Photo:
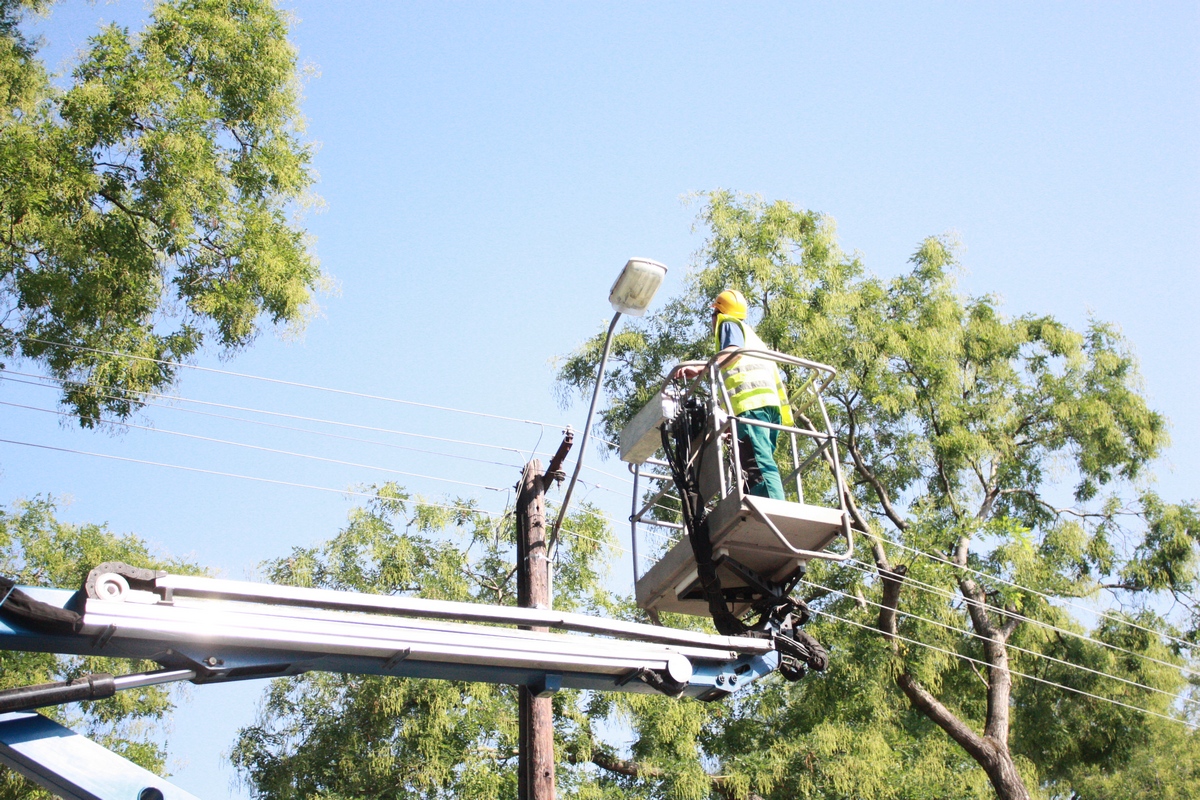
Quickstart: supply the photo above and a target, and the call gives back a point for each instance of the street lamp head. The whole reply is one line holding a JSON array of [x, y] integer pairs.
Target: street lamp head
[[636, 285]]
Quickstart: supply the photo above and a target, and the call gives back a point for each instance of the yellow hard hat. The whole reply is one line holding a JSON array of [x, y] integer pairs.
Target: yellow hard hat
[[732, 303]]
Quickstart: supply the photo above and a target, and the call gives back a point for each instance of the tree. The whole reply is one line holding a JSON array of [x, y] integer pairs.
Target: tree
[[956, 421], [38, 550], [145, 205], [145, 208], [323, 734]]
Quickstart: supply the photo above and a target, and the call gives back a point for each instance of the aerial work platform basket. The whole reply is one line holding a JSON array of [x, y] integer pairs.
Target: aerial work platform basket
[[758, 545]]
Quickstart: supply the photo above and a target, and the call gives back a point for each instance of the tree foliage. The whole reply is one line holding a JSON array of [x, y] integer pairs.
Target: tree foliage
[[146, 201], [999, 471], [330, 735], [36, 549], [1014, 450]]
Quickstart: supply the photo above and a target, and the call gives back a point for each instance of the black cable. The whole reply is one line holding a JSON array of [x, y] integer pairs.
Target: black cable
[[695, 522]]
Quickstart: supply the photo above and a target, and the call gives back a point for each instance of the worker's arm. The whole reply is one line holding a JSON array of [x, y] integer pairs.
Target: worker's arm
[[687, 373], [731, 339]]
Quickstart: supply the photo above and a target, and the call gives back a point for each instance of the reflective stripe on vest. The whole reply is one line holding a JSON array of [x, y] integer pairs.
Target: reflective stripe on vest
[[752, 382]]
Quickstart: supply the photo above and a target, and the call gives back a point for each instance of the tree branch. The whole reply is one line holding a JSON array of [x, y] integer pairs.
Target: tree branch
[[937, 431], [631, 769], [1074, 512], [945, 719], [869, 475], [991, 749], [855, 513], [1010, 624]]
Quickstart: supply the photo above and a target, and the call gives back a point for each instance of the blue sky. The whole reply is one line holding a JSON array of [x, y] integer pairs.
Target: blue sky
[[487, 168]]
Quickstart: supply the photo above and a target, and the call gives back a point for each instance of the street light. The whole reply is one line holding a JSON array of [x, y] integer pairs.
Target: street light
[[631, 294], [634, 288]]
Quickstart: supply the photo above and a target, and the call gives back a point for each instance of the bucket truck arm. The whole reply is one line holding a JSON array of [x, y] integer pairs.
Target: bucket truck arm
[[223, 630], [205, 630]]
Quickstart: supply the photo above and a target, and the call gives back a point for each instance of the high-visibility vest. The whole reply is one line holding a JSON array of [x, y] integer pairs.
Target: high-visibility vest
[[752, 382]]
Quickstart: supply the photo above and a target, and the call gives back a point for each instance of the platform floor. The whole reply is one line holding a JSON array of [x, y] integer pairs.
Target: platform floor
[[672, 585]]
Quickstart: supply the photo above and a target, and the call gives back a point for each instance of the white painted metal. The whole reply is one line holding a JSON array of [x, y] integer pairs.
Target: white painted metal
[[307, 625], [226, 623], [280, 597], [670, 585], [641, 437]]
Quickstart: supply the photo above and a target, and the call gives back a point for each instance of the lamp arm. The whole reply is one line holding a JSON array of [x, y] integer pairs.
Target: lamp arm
[[587, 430]]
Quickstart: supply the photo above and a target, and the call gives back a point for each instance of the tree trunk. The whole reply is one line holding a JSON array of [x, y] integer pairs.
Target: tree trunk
[[990, 750]]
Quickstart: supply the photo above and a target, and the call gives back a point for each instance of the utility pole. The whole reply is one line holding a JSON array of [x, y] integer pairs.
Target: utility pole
[[535, 758]]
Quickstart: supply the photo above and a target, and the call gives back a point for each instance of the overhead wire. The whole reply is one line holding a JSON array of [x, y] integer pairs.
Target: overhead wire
[[1048, 597], [1029, 619], [256, 478], [594, 539], [1010, 670], [282, 382], [375, 496], [991, 576], [870, 569], [542, 425], [570, 532], [276, 425], [45, 382], [351, 492], [1008, 645], [4, 376], [1005, 581], [267, 449], [296, 384], [299, 417], [928, 588]]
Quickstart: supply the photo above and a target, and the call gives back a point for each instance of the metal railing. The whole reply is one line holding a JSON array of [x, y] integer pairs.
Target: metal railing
[[808, 445]]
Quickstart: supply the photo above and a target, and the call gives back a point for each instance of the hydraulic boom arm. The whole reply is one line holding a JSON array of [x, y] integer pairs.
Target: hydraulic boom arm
[[208, 630]]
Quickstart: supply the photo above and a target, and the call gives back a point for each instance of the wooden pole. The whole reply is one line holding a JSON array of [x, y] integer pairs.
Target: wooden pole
[[535, 779]]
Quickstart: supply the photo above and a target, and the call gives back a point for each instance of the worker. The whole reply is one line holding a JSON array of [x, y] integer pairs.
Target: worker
[[756, 392]]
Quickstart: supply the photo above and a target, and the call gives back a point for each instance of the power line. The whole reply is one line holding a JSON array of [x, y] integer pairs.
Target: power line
[[870, 569], [493, 515], [289, 416], [275, 481], [1007, 582], [292, 428], [579, 535], [268, 449], [489, 514], [42, 382], [1011, 671], [582, 536], [279, 426], [1008, 645], [594, 514], [295, 384]]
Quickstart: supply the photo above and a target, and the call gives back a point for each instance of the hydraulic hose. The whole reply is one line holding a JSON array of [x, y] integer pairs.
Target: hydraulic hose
[[87, 687]]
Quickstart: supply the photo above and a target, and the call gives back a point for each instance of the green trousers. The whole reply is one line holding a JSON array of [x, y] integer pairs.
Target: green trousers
[[757, 449]]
